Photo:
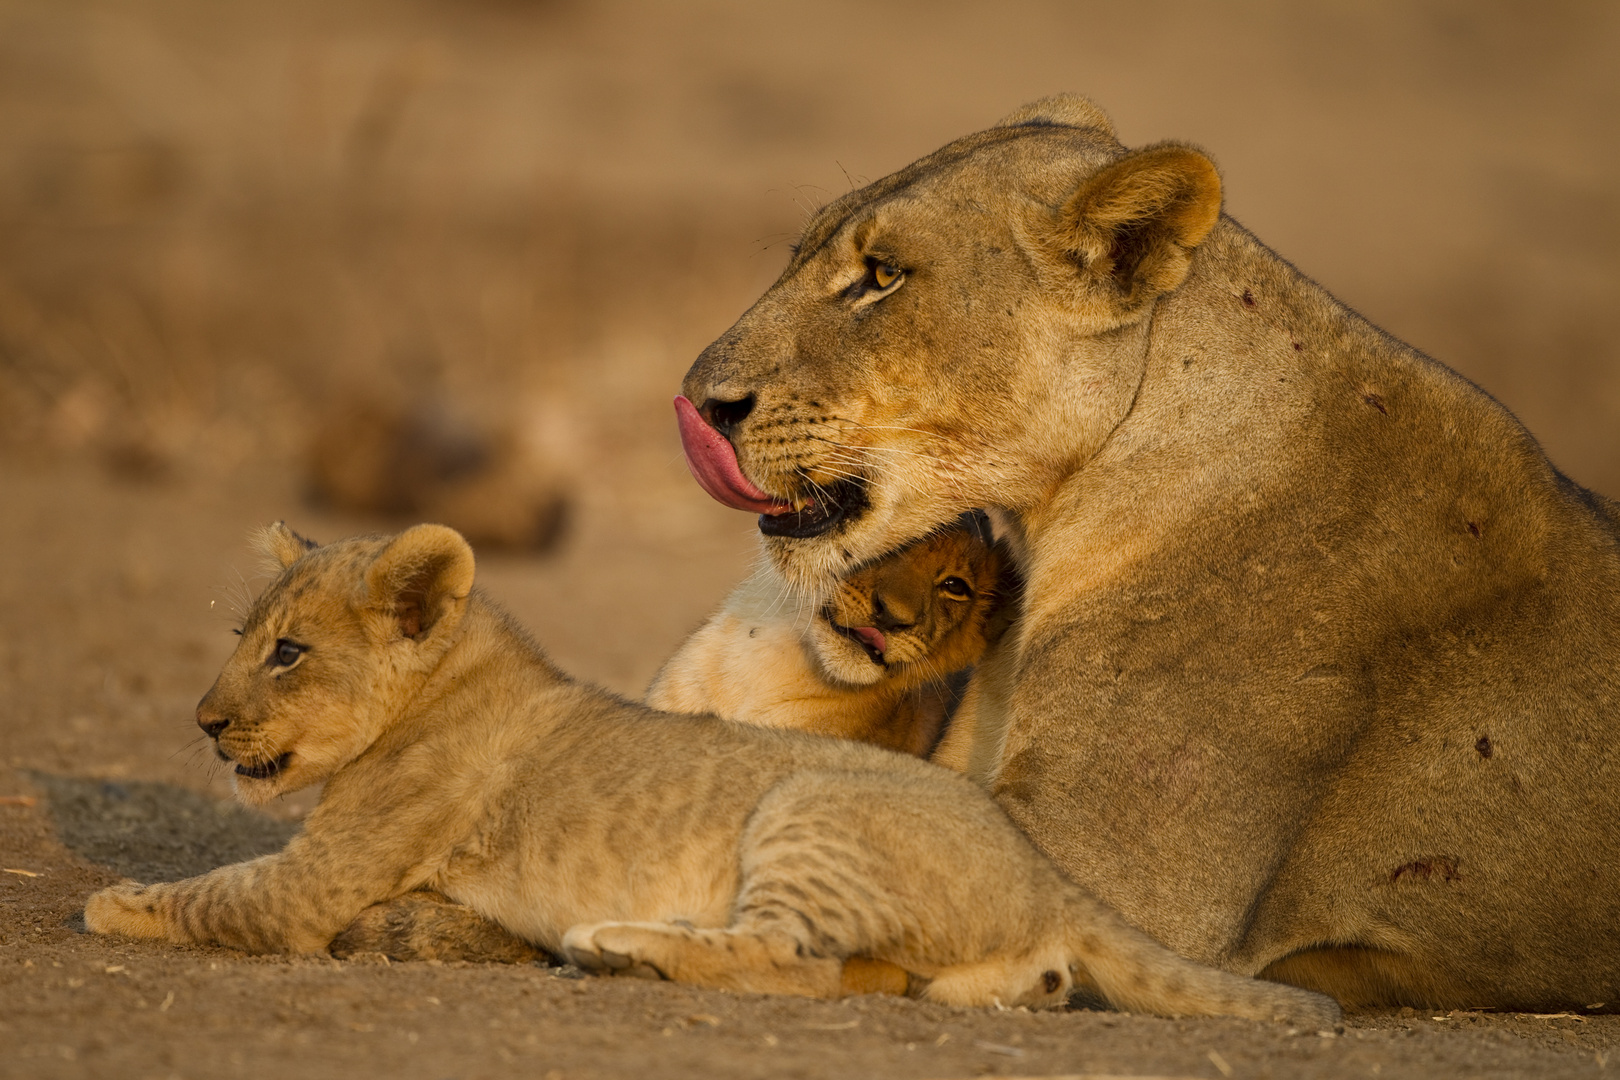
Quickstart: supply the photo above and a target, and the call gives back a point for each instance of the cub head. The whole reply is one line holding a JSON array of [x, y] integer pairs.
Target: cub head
[[964, 333], [920, 613], [332, 652]]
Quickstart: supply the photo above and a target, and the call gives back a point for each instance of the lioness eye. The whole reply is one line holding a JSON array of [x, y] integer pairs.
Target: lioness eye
[[880, 275], [287, 652], [955, 586]]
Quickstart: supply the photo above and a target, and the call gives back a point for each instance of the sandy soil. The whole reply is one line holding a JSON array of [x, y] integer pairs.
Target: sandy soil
[[215, 219]]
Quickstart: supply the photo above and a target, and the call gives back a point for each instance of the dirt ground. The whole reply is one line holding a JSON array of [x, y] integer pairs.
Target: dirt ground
[[217, 220]]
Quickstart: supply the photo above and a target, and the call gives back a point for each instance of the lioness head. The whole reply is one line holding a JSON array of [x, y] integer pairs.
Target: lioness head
[[332, 651], [918, 614], [965, 332]]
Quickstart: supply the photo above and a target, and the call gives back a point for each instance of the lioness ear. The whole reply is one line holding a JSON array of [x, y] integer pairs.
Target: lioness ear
[[281, 546], [1132, 227], [422, 578]]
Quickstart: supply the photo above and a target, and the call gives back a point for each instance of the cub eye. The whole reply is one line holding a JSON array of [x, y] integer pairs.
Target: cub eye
[[955, 586], [881, 275], [287, 653]]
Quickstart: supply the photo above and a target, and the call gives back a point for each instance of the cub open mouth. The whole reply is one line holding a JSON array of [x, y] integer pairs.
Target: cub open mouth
[[867, 637], [845, 499], [264, 770]]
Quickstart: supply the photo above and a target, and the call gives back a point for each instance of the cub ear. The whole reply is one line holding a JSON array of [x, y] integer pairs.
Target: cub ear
[[281, 546], [422, 578], [1132, 227], [1009, 594]]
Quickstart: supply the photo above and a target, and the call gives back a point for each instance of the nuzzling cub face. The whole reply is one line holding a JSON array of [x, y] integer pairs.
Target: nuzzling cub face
[[331, 652], [916, 614]]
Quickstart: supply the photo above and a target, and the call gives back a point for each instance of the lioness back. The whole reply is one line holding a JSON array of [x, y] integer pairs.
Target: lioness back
[[456, 758], [873, 662]]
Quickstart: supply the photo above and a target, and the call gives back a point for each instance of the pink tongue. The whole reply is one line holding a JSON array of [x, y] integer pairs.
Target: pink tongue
[[713, 462], [872, 637]]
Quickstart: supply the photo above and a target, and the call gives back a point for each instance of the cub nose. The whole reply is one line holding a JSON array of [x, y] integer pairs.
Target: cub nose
[[892, 616], [211, 722], [725, 415]]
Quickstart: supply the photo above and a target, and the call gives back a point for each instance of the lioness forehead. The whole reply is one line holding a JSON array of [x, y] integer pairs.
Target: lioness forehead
[[1037, 160]]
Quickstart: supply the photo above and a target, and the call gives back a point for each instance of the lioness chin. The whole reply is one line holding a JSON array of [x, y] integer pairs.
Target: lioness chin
[[456, 758], [1318, 671]]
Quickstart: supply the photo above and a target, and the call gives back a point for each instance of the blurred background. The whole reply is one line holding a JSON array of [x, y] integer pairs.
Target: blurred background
[[259, 259]]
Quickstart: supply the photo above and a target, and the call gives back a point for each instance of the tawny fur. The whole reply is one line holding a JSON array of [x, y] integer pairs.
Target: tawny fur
[[773, 658], [457, 758], [1307, 616]]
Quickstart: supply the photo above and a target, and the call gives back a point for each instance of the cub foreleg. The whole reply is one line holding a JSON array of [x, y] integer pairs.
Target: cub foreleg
[[293, 901]]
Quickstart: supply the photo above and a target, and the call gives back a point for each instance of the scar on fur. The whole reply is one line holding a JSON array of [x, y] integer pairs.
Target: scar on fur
[[1430, 866], [1375, 401]]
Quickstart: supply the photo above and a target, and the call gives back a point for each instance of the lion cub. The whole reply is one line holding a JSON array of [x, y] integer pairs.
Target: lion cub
[[690, 848], [872, 664]]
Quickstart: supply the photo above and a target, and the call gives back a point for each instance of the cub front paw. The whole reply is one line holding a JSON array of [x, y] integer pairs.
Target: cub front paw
[[128, 908], [609, 949]]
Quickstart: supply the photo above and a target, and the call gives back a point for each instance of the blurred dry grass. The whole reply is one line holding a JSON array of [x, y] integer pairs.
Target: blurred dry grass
[[215, 218]]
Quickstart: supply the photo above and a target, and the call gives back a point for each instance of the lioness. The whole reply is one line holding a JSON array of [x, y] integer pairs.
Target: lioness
[[456, 757], [871, 664], [1318, 672]]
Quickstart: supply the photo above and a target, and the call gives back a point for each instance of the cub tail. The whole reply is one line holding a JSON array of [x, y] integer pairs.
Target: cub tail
[[1135, 973]]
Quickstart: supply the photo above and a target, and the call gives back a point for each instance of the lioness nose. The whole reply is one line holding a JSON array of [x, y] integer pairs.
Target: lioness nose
[[211, 722], [725, 415]]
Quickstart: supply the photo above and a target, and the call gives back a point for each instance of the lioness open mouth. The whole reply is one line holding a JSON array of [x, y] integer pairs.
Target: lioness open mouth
[[834, 504], [264, 770]]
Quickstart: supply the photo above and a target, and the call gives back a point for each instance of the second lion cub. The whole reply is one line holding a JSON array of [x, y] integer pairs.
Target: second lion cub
[[872, 664]]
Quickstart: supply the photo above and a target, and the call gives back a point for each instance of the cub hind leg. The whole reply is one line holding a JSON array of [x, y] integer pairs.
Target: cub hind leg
[[929, 875], [748, 957], [804, 907]]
